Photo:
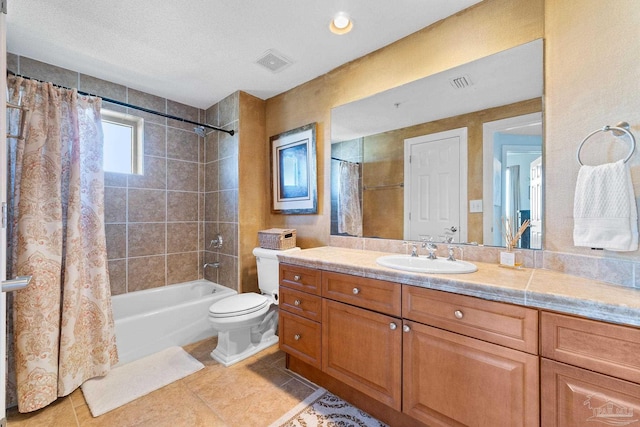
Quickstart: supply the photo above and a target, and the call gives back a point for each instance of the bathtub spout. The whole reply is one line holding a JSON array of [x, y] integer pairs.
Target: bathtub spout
[[212, 265]]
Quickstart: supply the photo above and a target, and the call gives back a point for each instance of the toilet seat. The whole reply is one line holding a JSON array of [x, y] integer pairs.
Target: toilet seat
[[238, 305]]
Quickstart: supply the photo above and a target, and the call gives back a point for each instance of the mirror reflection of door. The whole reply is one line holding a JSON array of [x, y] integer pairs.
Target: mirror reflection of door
[[435, 182], [535, 229], [513, 189]]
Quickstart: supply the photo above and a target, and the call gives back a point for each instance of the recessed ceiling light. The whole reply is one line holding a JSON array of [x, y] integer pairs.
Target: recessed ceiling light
[[341, 24]]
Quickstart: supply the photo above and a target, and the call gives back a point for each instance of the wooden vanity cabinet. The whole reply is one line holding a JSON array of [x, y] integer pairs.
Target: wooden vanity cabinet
[[454, 373], [363, 349], [362, 335], [299, 327], [590, 372]]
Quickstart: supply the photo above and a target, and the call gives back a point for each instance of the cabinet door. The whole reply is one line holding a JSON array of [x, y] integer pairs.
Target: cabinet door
[[300, 337], [453, 380], [363, 350], [575, 397]]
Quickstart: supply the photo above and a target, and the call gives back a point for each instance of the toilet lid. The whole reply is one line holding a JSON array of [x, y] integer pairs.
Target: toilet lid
[[238, 305]]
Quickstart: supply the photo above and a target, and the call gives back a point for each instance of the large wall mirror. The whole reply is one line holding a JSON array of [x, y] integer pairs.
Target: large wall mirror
[[450, 156]]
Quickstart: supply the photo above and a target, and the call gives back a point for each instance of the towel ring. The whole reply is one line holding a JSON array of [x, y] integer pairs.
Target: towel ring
[[618, 130]]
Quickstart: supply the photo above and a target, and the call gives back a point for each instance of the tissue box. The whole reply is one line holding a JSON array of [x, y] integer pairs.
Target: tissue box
[[277, 238]]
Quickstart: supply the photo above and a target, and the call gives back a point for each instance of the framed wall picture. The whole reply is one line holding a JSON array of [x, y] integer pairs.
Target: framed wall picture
[[293, 171]]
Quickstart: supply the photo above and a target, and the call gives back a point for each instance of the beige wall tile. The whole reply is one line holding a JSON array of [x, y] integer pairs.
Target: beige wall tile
[[118, 276], [115, 179], [228, 272], [147, 205], [48, 73], [228, 206], [182, 206], [228, 173], [155, 140], [184, 111], [228, 109], [182, 176], [211, 176], [211, 115], [182, 267], [182, 237], [182, 145], [155, 174], [115, 204], [151, 102], [146, 239], [146, 273], [103, 88], [211, 147], [12, 63], [116, 240], [229, 232], [211, 206], [228, 144]]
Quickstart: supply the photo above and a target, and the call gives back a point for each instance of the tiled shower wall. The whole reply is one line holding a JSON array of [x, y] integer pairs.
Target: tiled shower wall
[[155, 223], [221, 192]]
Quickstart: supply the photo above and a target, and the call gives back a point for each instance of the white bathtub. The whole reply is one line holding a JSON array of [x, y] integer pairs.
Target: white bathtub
[[154, 319]]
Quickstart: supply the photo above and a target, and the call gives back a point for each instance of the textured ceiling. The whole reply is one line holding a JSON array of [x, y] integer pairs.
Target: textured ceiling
[[199, 51]]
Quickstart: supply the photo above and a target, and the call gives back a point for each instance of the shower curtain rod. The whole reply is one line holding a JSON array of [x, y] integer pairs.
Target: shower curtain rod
[[135, 107], [340, 160]]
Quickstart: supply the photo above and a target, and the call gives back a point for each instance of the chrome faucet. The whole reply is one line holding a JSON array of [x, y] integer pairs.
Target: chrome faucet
[[427, 242], [414, 248], [451, 248]]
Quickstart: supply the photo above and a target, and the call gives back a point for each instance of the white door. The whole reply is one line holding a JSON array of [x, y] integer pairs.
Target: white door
[[536, 203], [436, 186]]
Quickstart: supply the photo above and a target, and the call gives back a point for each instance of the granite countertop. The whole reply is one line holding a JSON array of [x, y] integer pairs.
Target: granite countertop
[[529, 287]]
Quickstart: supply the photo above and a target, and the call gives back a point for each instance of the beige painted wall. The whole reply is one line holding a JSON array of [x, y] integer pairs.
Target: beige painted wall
[[592, 75], [490, 27]]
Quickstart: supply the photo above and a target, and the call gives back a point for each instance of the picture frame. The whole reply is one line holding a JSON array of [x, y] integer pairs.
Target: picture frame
[[294, 171]]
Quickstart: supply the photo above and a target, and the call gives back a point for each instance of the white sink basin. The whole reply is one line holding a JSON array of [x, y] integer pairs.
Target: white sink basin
[[426, 265]]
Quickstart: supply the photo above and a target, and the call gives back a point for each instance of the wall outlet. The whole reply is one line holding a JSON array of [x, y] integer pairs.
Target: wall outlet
[[475, 206]]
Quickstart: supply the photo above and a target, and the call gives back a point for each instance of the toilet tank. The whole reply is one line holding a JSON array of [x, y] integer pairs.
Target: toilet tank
[[267, 261]]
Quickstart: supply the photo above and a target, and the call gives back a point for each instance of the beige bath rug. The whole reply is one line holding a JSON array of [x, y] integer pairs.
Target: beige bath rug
[[138, 378], [325, 409]]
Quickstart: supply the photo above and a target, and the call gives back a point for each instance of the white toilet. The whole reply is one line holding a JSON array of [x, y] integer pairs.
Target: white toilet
[[248, 322]]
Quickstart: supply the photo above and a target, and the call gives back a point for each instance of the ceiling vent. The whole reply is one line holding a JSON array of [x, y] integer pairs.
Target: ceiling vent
[[274, 61], [461, 82]]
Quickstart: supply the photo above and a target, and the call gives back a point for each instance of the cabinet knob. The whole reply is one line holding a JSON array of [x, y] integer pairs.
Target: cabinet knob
[[296, 278], [356, 291], [406, 328], [297, 337], [393, 326], [458, 314], [297, 302]]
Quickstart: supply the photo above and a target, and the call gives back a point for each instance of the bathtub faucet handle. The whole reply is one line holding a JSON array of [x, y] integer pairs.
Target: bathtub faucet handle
[[216, 243]]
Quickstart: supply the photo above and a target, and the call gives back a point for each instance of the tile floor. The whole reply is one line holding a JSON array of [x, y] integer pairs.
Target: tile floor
[[252, 393]]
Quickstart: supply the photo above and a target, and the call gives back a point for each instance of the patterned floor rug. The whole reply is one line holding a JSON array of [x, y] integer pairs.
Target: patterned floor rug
[[323, 409]]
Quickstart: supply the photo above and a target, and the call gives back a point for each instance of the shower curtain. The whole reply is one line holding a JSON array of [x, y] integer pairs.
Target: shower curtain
[[62, 322], [349, 211]]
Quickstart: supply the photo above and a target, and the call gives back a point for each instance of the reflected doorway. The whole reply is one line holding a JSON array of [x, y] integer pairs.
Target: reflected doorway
[[513, 179]]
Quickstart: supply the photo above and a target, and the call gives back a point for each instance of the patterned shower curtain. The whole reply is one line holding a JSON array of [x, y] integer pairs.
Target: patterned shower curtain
[[349, 211], [62, 322]]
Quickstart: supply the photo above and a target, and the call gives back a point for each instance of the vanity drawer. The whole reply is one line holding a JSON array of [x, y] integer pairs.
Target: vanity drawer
[[504, 324], [300, 278], [378, 295], [598, 346], [300, 337], [301, 303]]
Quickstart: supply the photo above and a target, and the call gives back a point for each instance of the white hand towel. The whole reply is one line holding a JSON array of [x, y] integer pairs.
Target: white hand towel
[[604, 210]]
